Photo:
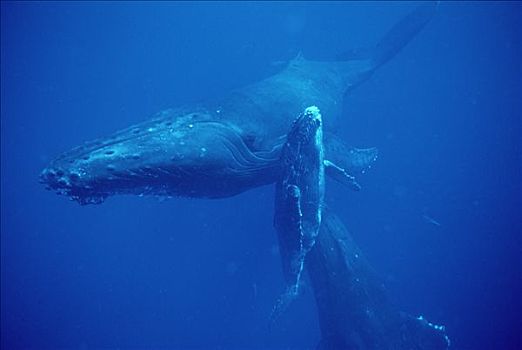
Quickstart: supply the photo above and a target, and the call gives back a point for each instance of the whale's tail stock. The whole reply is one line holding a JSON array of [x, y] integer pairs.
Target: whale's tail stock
[[359, 64], [403, 32]]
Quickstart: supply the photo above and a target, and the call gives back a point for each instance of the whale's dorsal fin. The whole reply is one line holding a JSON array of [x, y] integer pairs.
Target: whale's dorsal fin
[[297, 60], [299, 57]]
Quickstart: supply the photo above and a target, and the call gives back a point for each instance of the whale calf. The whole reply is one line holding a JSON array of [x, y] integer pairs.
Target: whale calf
[[299, 198], [222, 147]]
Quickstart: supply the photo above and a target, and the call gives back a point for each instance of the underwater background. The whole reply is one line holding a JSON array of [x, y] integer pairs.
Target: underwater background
[[439, 214]]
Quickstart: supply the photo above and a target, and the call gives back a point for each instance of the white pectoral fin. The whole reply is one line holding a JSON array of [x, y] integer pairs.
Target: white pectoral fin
[[340, 175]]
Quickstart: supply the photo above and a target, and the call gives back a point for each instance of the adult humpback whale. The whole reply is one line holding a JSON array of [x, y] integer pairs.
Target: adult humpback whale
[[221, 147]]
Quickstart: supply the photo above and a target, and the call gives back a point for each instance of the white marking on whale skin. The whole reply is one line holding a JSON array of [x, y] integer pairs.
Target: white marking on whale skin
[[299, 200]]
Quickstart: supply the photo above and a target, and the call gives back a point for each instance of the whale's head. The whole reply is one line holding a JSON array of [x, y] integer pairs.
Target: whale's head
[[178, 153]]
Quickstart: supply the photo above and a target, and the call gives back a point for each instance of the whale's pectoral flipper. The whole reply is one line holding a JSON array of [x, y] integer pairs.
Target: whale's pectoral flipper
[[339, 174], [360, 159], [342, 163], [299, 199], [352, 160]]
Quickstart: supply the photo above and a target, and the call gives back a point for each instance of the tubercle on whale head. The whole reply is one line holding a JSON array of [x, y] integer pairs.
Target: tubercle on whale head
[[175, 154], [64, 184], [306, 126]]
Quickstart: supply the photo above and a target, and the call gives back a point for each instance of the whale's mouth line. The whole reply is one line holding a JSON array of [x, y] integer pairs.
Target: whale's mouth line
[[85, 199], [80, 194]]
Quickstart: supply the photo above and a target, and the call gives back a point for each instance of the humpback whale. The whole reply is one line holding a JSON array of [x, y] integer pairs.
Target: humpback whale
[[221, 147], [354, 309], [299, 199], [353, 306]]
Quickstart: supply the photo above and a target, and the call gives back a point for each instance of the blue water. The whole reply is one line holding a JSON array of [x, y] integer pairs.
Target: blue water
[[439, 215]]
